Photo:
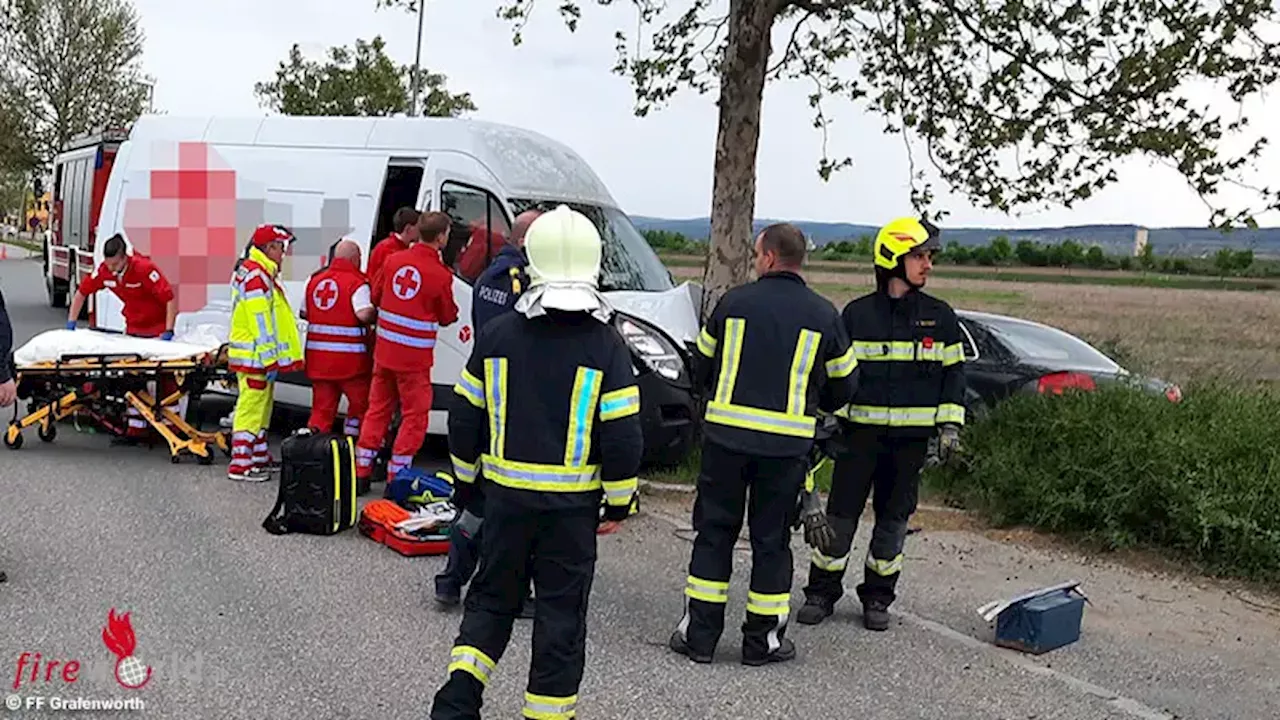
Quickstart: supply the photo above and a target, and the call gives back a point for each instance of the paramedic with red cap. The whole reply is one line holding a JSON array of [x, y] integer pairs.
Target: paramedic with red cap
[[150, 308], [263, 343], [338, 352], [414, 297]]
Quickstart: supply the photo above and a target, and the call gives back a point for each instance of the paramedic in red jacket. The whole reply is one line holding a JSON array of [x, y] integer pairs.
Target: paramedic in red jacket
[[414, 297], [150, 308], [404, 232], [339, 360]]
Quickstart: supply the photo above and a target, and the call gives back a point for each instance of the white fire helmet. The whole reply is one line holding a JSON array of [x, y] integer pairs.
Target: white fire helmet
[[563, 247]]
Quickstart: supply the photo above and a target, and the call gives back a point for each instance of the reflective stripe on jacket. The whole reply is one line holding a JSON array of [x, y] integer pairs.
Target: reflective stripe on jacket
[[264, 337], [911, 361], [773, 353], [338, 345]]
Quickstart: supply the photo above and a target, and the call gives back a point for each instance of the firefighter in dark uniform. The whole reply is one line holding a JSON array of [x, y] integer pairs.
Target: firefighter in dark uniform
[[911, 388], [773, 354], [496, 292], [547, 418]]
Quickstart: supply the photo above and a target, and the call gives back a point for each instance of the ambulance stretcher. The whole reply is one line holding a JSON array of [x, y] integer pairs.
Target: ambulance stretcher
[[101, 375]]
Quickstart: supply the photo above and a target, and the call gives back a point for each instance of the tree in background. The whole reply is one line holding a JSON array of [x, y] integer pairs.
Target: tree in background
[[1062, 89], [67, 67], [363, 81]]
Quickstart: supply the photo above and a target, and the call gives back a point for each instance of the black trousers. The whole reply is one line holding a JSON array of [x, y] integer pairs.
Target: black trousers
[[560, 548], [464, 556], [767, 489], [887, 468]]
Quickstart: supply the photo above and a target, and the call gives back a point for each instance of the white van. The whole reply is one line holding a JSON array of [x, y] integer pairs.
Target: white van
[[189, 191]]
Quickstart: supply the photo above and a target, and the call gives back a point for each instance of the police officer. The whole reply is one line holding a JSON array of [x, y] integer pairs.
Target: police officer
[[502, 283], [773, 354], [495, 293], [912, 386], [548, 410]]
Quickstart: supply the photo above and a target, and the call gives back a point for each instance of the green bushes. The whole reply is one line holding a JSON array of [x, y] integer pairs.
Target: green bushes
[[1131, 469]]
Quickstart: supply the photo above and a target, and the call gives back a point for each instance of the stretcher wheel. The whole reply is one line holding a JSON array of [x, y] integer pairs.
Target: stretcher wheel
[[15, 443], [175, 459], [47, 435], [204, 459]]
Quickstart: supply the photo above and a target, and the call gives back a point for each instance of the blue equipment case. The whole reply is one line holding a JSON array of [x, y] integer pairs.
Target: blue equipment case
[[1038, 621]]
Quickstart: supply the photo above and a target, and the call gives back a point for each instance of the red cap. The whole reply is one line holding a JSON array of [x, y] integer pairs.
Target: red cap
[[267, 234]]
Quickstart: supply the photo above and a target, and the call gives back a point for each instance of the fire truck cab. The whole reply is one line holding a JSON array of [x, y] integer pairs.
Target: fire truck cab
[[80, 174]]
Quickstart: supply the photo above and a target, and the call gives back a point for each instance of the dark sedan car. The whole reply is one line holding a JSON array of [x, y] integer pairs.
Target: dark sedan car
[[1005, 355]]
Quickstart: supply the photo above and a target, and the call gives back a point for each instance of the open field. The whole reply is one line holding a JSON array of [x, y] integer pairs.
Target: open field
[[1178, 334], [1027, 274]]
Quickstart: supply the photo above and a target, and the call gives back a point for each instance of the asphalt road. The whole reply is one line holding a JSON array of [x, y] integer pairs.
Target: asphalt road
[[237, 623]]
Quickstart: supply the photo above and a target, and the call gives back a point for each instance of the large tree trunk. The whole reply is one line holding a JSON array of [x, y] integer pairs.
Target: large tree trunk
[[733, 196]]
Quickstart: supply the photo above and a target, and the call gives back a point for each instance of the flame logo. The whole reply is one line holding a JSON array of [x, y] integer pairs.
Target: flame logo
[[118, 636]]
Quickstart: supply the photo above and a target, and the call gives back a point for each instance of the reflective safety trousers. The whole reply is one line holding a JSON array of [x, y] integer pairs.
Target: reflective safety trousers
[[910, 360]]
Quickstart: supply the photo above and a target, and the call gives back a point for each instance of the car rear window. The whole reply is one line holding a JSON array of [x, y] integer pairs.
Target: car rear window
[[1042, 344]]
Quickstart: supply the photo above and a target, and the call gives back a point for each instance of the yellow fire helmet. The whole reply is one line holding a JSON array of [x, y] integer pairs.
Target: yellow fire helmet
[[564, 251], [900, 237]]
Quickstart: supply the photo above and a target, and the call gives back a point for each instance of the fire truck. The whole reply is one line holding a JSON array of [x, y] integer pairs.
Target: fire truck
[[80, 174]]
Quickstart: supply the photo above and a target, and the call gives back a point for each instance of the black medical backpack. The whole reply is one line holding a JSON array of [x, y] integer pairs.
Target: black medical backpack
[[317, 494]]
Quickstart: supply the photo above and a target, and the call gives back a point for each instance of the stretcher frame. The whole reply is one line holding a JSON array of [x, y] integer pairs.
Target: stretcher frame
[[104, 385]]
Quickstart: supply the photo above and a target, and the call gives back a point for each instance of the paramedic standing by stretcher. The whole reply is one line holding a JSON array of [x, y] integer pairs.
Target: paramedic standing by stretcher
[[339, 309], [414, 297], [264, 343], [150, 308]]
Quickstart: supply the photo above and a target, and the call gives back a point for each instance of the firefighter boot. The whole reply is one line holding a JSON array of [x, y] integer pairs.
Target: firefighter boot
[[678, 645], [875, 615], [814, 611]]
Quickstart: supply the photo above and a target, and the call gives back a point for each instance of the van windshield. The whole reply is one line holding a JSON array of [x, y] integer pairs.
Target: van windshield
[[627, 262]]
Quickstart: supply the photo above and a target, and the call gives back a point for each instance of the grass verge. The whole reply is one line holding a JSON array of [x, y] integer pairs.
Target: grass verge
[[1130, 470], [1042, 275]]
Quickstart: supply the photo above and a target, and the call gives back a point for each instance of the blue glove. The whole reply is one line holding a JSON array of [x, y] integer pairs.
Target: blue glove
[[166, 335], [71, 324], [271, 376]]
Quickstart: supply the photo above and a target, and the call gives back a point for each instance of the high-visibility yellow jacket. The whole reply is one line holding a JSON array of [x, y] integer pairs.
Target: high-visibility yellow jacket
[[264, 336]]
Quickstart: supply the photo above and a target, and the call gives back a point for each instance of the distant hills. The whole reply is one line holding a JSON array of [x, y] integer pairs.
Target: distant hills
[[1114, 239]]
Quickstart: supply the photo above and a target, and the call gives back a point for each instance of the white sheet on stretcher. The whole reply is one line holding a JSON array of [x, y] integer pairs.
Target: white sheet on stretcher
[[53, 345]]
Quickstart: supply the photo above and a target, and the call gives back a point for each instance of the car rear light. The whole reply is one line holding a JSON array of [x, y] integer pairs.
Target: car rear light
[[1174, 393], [1057, 382]]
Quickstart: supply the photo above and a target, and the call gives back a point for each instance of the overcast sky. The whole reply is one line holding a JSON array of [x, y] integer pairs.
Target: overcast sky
[[207, 54]]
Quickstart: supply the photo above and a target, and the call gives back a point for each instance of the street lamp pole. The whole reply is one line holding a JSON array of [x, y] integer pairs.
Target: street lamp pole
[[417, 62]]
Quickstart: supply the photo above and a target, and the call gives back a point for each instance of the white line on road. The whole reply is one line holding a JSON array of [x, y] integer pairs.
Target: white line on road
[[1123, 703]]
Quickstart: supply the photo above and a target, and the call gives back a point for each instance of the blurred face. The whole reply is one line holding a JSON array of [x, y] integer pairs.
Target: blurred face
[[275, 251], [764, 261], [917, 265], [118, 263]]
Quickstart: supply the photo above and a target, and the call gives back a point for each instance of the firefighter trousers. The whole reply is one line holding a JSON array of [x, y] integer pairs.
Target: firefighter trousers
[[412, 392], [888, 469], [254, 403], [766, 488], [560, 547], [325, 396]]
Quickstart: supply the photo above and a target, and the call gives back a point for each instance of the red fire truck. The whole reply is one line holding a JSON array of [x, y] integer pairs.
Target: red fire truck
[[80, 175]]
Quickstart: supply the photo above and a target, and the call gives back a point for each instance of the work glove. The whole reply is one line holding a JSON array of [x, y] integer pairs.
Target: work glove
[[467, 524], [166, 335], [817, 531], [948, 441], [71, 324], [271, 375]]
